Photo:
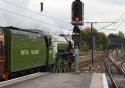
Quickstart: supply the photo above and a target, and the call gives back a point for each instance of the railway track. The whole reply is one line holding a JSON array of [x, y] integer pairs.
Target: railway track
[[116, 72], [87, 66], [81, 64], [122, 67], [110, 74], [84, 64]]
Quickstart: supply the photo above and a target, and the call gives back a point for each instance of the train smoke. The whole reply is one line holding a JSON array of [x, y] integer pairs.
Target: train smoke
[[25, 19]]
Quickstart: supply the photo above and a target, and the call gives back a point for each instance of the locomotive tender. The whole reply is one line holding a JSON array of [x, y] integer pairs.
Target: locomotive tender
[[23, 51]]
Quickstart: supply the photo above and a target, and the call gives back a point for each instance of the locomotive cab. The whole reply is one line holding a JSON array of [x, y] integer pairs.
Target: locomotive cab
[[2, 57]]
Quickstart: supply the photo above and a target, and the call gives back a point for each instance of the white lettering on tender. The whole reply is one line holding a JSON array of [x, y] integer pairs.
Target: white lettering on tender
[[27, 52], [24, 52], [33, 52]]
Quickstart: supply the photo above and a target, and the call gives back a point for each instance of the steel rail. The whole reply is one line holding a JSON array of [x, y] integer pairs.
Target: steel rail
[[109, 69], [89, 61], [122, 68], [110, 74]]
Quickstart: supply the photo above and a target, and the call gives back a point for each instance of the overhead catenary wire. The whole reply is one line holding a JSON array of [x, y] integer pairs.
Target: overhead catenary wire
[[106, 26], [121, 16], [49, 16], [111, 23], [6, 1], [34, 12], [29, 17], [119, 20], [116, 24]]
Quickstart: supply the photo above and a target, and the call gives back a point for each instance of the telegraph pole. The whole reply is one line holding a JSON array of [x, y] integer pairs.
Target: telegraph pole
[[93, 40]]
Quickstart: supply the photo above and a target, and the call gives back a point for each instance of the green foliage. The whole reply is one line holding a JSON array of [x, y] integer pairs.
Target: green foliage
[[120, 35], [111, 35], [101, 39]]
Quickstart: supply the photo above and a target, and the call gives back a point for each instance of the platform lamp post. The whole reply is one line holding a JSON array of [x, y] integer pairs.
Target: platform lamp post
[[77, 20]]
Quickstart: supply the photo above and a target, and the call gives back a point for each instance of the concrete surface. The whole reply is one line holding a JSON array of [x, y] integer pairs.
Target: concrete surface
[[21, 79], [99, 81], [52, 81], [62, 80]]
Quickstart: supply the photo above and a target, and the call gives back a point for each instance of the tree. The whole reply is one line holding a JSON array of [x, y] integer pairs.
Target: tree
[[111, 35], [101, 38], [86, 35], [121, 34], [119, 37]]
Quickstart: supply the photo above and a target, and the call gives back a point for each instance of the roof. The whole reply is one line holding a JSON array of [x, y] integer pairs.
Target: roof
[[26, 30]]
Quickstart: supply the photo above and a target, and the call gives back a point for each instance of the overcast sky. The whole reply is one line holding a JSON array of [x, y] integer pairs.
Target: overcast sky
[[60, 10]]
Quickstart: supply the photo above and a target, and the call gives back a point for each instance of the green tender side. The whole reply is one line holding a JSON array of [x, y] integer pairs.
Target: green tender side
[[26, 50], [62, 46]]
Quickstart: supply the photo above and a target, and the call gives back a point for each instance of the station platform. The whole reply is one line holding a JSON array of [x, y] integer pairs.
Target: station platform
[[64, 80], [99, 81]]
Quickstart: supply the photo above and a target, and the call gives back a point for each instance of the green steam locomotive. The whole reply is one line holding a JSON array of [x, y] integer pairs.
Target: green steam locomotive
[[24, 51]]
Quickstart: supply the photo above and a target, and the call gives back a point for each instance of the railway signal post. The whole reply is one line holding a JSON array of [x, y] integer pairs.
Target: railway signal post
[[93, 43], [77, 20], [76, 39]]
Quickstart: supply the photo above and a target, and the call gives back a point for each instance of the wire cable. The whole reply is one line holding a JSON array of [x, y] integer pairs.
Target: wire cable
[[106, 26], [33, 11], [119, 20], [29, 17], [121, 16]]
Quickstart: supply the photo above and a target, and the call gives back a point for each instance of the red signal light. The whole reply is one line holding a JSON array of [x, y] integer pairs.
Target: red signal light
[[77, 19]]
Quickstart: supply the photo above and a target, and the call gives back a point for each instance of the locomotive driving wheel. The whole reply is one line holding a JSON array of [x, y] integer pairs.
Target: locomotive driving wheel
[[61, 64]]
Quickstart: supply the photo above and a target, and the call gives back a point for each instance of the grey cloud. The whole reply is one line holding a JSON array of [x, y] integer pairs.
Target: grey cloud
[[9, 19], [115, 2], [97, 10]]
